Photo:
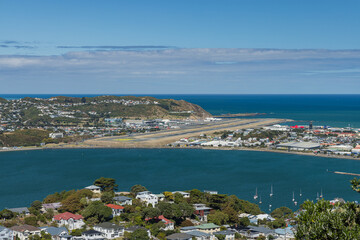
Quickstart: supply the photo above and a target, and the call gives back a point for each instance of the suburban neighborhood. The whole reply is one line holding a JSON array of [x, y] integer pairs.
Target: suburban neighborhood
[[99, 211]]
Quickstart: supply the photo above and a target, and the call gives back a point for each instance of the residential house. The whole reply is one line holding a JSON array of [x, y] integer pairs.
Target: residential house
[[92, 235], [285, 233], [21, 210], [94, 189], [160, 196], [169, 225], [184, 194], [148, 198], [229, 235], [211, 192], [57, 233], [6, 233], [133, 228], [116, 209], [53, 206], [23, 232], [110, 230], [201, 235], [208, 228], [255, 232], [69, 220], [179, 236], [201, 211], [122, 200]]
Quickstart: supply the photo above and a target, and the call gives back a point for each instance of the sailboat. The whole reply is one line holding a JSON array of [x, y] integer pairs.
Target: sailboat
[[260, 202], [300, 193], [317, 196], [295, 203], [256, 195], [293, 199], [321, 195], [270, 207], [271, 191]]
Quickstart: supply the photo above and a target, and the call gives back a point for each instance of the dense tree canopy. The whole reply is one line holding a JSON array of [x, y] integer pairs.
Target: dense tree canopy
[[137, 188], [322, 220], [97, 211], [106, 184]]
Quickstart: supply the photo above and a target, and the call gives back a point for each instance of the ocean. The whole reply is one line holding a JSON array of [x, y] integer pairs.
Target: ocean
[[329, 110], [32, 175]]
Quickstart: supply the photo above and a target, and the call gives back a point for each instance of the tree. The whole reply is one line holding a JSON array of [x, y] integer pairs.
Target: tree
[[281, 212], [218, 217], [196, 196], [71, 204], [150, 212], [186, 209], [107, 197], [244, 221], [169, 196], [31, 220], [106, 184], [36, 205], [186, 223], [322, 220], [220, 236], [178, 198], [83, 100], [97, 211], [165, 209], [139, 234], [7, 214], [137, 188]]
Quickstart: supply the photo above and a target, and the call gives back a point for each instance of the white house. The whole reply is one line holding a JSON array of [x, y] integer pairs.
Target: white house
[[94, 189], [117, 210], [57, 233], [6, 233], [23, 232], [184, 194], [148, 198], [92, 235], [110, 230], [122, 200], [56, 135], [229, 235], [69, 220]]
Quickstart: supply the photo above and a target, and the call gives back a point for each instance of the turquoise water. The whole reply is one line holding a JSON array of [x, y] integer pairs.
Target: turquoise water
[[30, 175], [330, 110]]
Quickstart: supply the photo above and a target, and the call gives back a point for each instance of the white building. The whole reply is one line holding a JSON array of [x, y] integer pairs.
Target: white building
[[148, 198], [23, 232], [184, 194], [6, 233], [117, 210], [56, 135], [94, 189], [122, 200], [110, 230], [69, 220], [92, 235]]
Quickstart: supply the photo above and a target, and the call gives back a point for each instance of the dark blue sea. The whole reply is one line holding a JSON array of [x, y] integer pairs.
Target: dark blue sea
[[31, 175], [329, 110]]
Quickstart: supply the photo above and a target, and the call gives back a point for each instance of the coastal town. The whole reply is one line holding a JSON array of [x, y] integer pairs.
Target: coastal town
[[317, 140], [100, 211]]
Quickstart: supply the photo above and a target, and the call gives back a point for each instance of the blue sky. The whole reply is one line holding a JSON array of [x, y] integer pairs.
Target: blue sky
[[179, 46]]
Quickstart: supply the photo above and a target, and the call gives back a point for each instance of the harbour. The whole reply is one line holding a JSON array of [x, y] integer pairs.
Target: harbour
[[40, 173]]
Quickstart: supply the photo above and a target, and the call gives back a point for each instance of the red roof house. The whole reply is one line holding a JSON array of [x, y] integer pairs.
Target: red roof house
[[67, 216]]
